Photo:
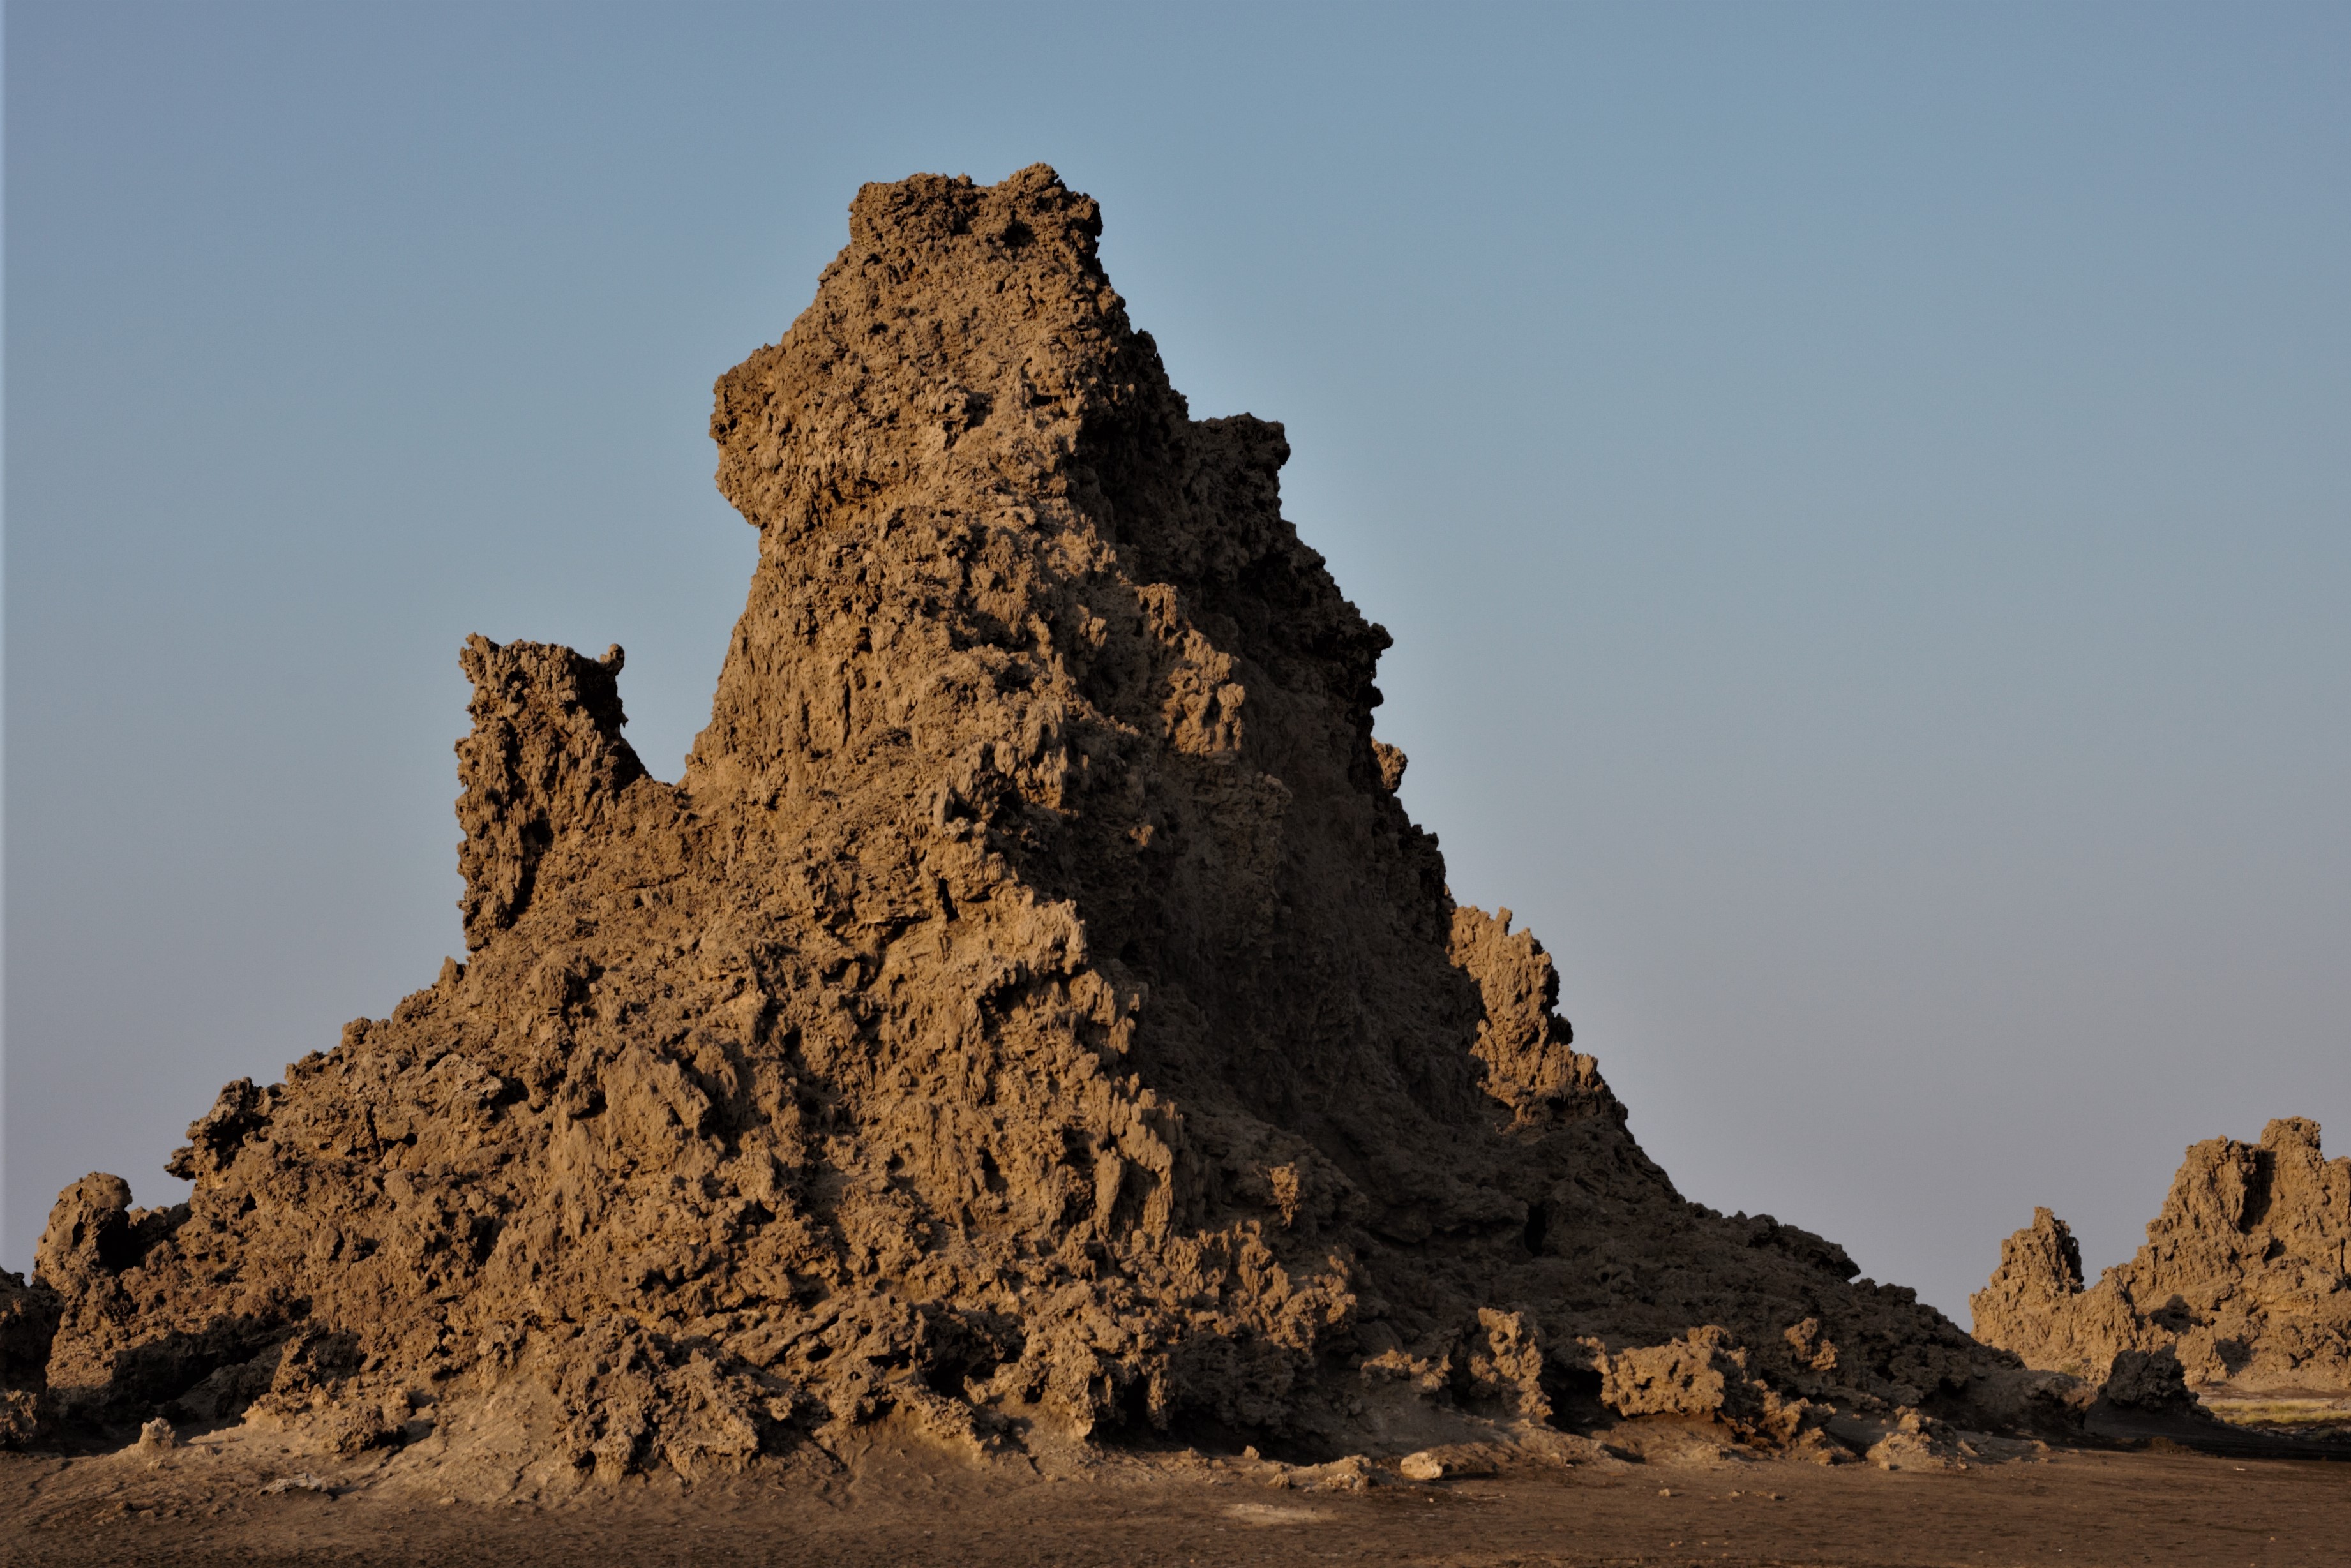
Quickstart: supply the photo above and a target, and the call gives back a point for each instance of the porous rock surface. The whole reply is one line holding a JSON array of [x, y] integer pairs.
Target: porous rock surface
[[1032, 1017], [2244, 1280], [28, 1325]]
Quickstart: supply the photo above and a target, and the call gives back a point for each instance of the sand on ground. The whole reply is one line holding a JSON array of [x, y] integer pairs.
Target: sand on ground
[[211, 1502]]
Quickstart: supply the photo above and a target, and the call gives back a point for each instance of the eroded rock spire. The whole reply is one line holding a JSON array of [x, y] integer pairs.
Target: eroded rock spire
[[1032, 1014], [2245, 1279]]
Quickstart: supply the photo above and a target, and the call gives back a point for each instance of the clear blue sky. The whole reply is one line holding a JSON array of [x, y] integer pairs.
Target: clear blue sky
[[1863, 496]]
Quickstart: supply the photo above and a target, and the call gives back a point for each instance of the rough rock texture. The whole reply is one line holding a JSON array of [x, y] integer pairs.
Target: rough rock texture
[[1032, 1016], [1701, 1372], [2245, 1279], [28, 1323]]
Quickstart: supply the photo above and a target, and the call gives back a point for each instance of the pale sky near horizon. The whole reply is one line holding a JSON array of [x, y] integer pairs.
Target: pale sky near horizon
[[1862, 495]]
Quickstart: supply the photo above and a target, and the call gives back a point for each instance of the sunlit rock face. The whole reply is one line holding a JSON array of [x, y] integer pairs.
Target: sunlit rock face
[[1032, 1016], [2245, 1277]]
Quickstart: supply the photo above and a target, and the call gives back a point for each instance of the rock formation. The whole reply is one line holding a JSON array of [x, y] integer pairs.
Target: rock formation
[[28, 1323], [1032, 1017], [2245, 1278]]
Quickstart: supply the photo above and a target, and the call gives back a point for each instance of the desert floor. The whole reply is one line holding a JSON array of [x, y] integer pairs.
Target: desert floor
[[206, 1503]]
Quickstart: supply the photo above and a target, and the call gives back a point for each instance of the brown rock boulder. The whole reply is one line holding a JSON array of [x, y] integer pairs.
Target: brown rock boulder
[[1701, 1372]]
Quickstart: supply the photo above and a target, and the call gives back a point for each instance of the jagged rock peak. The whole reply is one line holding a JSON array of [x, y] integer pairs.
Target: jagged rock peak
[[1032, 1016], [2245, 1278]]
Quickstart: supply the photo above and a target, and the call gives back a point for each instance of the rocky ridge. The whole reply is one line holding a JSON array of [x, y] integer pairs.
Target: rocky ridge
[[2244, 1280], [1031, 1018]]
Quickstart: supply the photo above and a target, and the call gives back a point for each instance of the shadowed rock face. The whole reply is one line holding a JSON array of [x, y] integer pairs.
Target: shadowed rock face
[[1032, 1014], [2245, 1277], [28, 1323]]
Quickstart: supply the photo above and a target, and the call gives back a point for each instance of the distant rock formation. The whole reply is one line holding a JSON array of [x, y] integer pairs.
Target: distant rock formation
[[2245, 1278], [1032, 1017]]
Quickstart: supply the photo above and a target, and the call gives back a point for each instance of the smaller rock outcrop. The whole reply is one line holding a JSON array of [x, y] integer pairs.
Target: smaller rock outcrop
[[2244, 1282], [545, 762], [28, 1325], [1703, 1374]]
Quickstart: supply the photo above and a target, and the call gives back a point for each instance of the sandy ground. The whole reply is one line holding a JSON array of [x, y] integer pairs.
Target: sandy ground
[[207, 1503]]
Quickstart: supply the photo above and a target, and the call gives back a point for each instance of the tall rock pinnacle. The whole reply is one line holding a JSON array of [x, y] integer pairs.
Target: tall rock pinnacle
[[1032, 1014]]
